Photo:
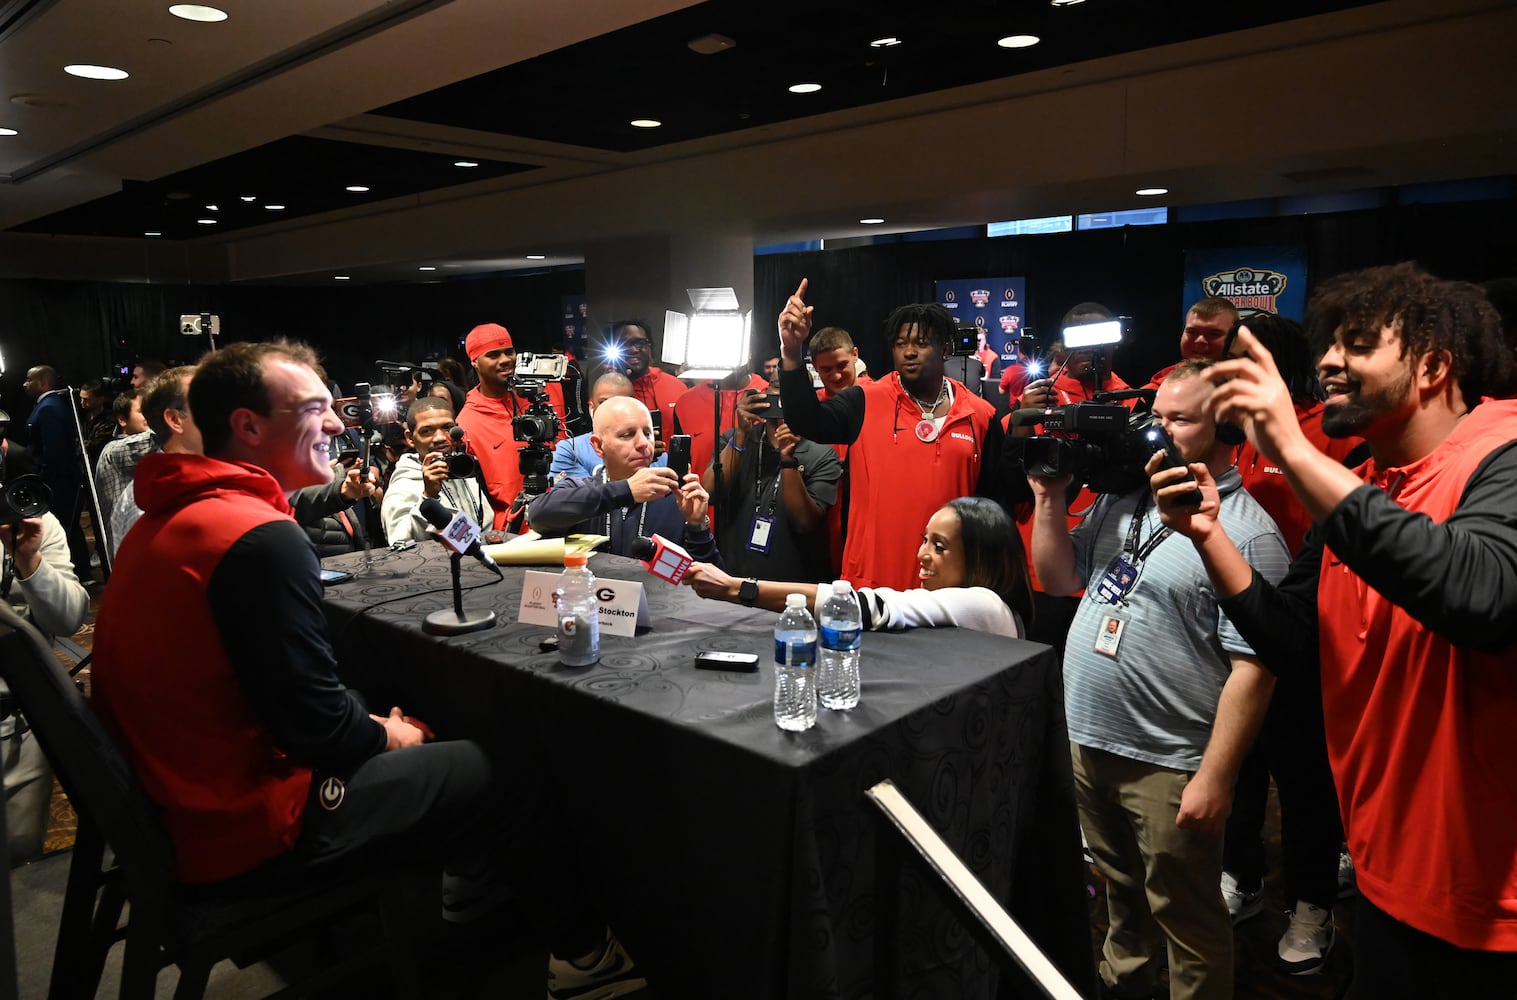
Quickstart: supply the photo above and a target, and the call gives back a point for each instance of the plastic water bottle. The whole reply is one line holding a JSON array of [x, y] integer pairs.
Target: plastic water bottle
[[795, 666], [578, 613], [837, 682]]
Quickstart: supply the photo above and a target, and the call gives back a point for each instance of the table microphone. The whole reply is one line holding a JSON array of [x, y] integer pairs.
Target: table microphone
[[662, 558], [457, 531]]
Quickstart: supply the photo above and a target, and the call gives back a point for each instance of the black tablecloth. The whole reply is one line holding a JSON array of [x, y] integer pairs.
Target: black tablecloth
[[733, 858]]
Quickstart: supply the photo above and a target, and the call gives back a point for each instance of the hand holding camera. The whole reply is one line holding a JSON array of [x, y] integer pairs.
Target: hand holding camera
[[434, 472]]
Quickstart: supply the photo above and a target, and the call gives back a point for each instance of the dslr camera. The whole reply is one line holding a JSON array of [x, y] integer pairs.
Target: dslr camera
[[26, 496]]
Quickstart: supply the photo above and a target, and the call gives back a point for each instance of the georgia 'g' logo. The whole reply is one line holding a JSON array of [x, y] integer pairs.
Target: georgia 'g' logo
[[331, 793]]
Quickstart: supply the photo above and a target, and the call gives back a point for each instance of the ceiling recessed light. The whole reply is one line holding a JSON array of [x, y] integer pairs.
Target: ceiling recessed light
[[274, 208], [870, 222], [8, 131], [213, 208], [150, 233], [1151, 192], [197, 12], [645, 123], [426, 267], [342, 277], [250, 197], [206, 222], [805, 88], [465, 163], [537, 256], [95, 72], [1018, 41], [357, 188], [884, 43]]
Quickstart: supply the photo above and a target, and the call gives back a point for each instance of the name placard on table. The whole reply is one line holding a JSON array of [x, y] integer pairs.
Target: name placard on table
[[623, 605]]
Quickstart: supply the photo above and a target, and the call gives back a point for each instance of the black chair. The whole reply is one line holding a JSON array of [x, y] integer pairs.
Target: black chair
[[192, 927]]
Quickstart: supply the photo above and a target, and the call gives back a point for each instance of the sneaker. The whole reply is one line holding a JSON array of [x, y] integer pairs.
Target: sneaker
[[1241, 903], [611, 975], [1347, 884], [1307, 941]]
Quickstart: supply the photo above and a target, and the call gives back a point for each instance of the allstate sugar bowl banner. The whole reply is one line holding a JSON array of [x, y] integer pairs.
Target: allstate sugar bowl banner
[[1255, 279], [995, 305]]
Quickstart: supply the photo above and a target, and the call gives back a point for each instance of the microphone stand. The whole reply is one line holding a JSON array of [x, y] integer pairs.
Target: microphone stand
[[457, 621]]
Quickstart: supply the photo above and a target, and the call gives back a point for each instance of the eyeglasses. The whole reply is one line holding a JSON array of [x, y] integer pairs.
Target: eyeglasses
[[638, 345]]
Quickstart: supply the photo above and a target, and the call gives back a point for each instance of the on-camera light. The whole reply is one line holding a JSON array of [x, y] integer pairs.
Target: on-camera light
[[613, 352], [1034, 367], [1092, 334], [384, 406]]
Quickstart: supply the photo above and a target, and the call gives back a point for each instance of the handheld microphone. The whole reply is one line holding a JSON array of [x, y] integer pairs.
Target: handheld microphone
[[662, 558], [457, 531]]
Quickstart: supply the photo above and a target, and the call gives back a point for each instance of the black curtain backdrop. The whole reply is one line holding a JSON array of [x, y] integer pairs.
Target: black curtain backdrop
[[83, 328], [1137, 272]]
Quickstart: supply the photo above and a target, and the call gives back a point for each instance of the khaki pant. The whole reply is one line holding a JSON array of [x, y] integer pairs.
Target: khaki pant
[[1162, 882]]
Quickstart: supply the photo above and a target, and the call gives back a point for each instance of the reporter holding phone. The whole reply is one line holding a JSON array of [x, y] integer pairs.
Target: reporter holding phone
[[1163, 696], [776, 489], [627, 497]]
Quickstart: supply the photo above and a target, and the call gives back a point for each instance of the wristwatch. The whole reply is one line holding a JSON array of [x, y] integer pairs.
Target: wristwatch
[[748, 592], [792, 464]]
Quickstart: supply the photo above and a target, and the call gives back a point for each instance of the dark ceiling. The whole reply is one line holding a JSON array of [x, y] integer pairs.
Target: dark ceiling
[[587, 94], [307, 176]]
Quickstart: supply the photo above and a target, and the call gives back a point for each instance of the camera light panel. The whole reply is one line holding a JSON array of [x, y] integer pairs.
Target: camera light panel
[[1092, 334]]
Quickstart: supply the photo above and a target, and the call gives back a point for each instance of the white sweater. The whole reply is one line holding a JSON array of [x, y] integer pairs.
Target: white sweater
[[978, 608]]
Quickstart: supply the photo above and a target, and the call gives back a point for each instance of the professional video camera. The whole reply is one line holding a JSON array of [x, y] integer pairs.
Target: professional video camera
[[1100, 444]]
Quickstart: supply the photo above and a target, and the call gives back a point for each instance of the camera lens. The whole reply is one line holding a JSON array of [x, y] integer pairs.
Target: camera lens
[[28, 496]]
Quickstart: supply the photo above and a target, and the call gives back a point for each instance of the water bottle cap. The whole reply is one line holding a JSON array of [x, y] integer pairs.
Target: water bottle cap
[[795, 600], [576, 558], [841, 587]]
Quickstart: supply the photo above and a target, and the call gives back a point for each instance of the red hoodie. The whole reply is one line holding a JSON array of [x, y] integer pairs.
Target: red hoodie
[[897, 482], [230, 798], [1419, 731]]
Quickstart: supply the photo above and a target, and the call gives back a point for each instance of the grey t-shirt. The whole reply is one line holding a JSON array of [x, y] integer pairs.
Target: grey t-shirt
[[1156, 698]]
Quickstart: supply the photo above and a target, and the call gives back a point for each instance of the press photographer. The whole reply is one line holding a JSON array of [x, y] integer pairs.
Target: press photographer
[[440, 468], [36, 551]]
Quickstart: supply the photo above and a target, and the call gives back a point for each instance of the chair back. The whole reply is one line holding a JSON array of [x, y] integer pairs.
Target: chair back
[[94, 773]]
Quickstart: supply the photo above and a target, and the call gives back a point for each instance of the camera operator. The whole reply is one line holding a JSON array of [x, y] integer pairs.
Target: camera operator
[[1163, 698], [57, 603], [436, 469], [628, 498], [488, 415], [771, 516]]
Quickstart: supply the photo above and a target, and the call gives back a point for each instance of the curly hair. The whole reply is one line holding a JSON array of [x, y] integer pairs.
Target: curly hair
[[1287, 344], [929, 318], [1429, 314]]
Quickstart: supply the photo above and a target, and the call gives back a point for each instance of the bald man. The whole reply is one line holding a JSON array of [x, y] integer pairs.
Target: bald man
[[628, 496], [576, 456]]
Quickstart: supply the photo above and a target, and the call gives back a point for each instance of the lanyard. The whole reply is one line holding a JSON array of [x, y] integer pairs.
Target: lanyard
[[1139, 518], [642, 515], [479, 513], [758, 483]]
